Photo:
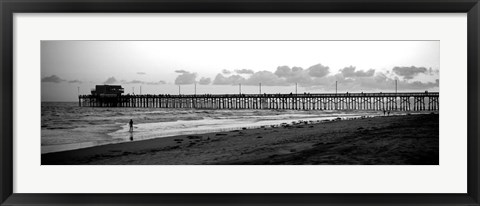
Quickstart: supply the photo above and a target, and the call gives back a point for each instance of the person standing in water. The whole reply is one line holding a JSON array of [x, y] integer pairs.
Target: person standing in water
[[131, 125]]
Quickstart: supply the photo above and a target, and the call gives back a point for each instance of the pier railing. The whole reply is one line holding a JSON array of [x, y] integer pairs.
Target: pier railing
[[406, 101]]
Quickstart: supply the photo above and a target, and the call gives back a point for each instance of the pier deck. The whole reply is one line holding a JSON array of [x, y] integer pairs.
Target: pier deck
[[411, 101]]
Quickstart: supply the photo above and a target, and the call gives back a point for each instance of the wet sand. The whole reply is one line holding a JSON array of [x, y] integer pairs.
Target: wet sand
[[393, 140]]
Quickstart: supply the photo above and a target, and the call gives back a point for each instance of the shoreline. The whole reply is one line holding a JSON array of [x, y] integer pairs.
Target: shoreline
[[374, 140], [118, 132]]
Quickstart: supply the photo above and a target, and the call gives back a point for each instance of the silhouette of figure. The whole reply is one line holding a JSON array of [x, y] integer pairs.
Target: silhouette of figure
[[384, 112], [131, 125], [388, 113]]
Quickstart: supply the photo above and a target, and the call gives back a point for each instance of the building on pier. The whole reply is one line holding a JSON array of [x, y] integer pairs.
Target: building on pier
[[107, 90]]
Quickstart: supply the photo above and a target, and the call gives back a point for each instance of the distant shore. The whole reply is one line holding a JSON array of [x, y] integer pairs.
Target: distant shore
[[391, 140]]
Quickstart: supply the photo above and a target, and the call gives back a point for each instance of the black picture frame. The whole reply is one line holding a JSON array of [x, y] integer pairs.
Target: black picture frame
[[9, 7]]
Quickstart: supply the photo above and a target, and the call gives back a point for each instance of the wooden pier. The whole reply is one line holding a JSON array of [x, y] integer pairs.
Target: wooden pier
[[342, 101]]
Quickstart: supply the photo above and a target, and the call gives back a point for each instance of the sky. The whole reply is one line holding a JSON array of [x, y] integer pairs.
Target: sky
[[69, 68]]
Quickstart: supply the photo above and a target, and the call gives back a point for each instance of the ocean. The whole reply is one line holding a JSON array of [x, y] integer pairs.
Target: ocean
[[66, 126]]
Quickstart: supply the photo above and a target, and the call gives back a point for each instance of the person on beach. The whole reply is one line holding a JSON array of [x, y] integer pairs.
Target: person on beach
[[131, 125]]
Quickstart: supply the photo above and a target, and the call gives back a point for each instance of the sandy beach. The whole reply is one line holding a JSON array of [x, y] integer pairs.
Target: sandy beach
[[400, 140]]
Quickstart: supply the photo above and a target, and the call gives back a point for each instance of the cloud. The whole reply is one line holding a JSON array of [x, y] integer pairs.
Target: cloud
[[231, 80], [417, 85], [135, 82], [156, 83], [283, 71], [75, 81], [266, 78], [221, 80], [284, 75], [350, 72], [141, 73], [185, 77], [181, 71], [433, 72], [111, 80], [142, 82], [325, 81], [319, 77], [244, 71], [226, 71], [408, 72], [205, 81], [53, 79], [382, 82], [318, 70], [300, 76]]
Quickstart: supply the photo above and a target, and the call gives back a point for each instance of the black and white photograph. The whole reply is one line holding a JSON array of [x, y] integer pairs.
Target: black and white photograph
[[239, 102]]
